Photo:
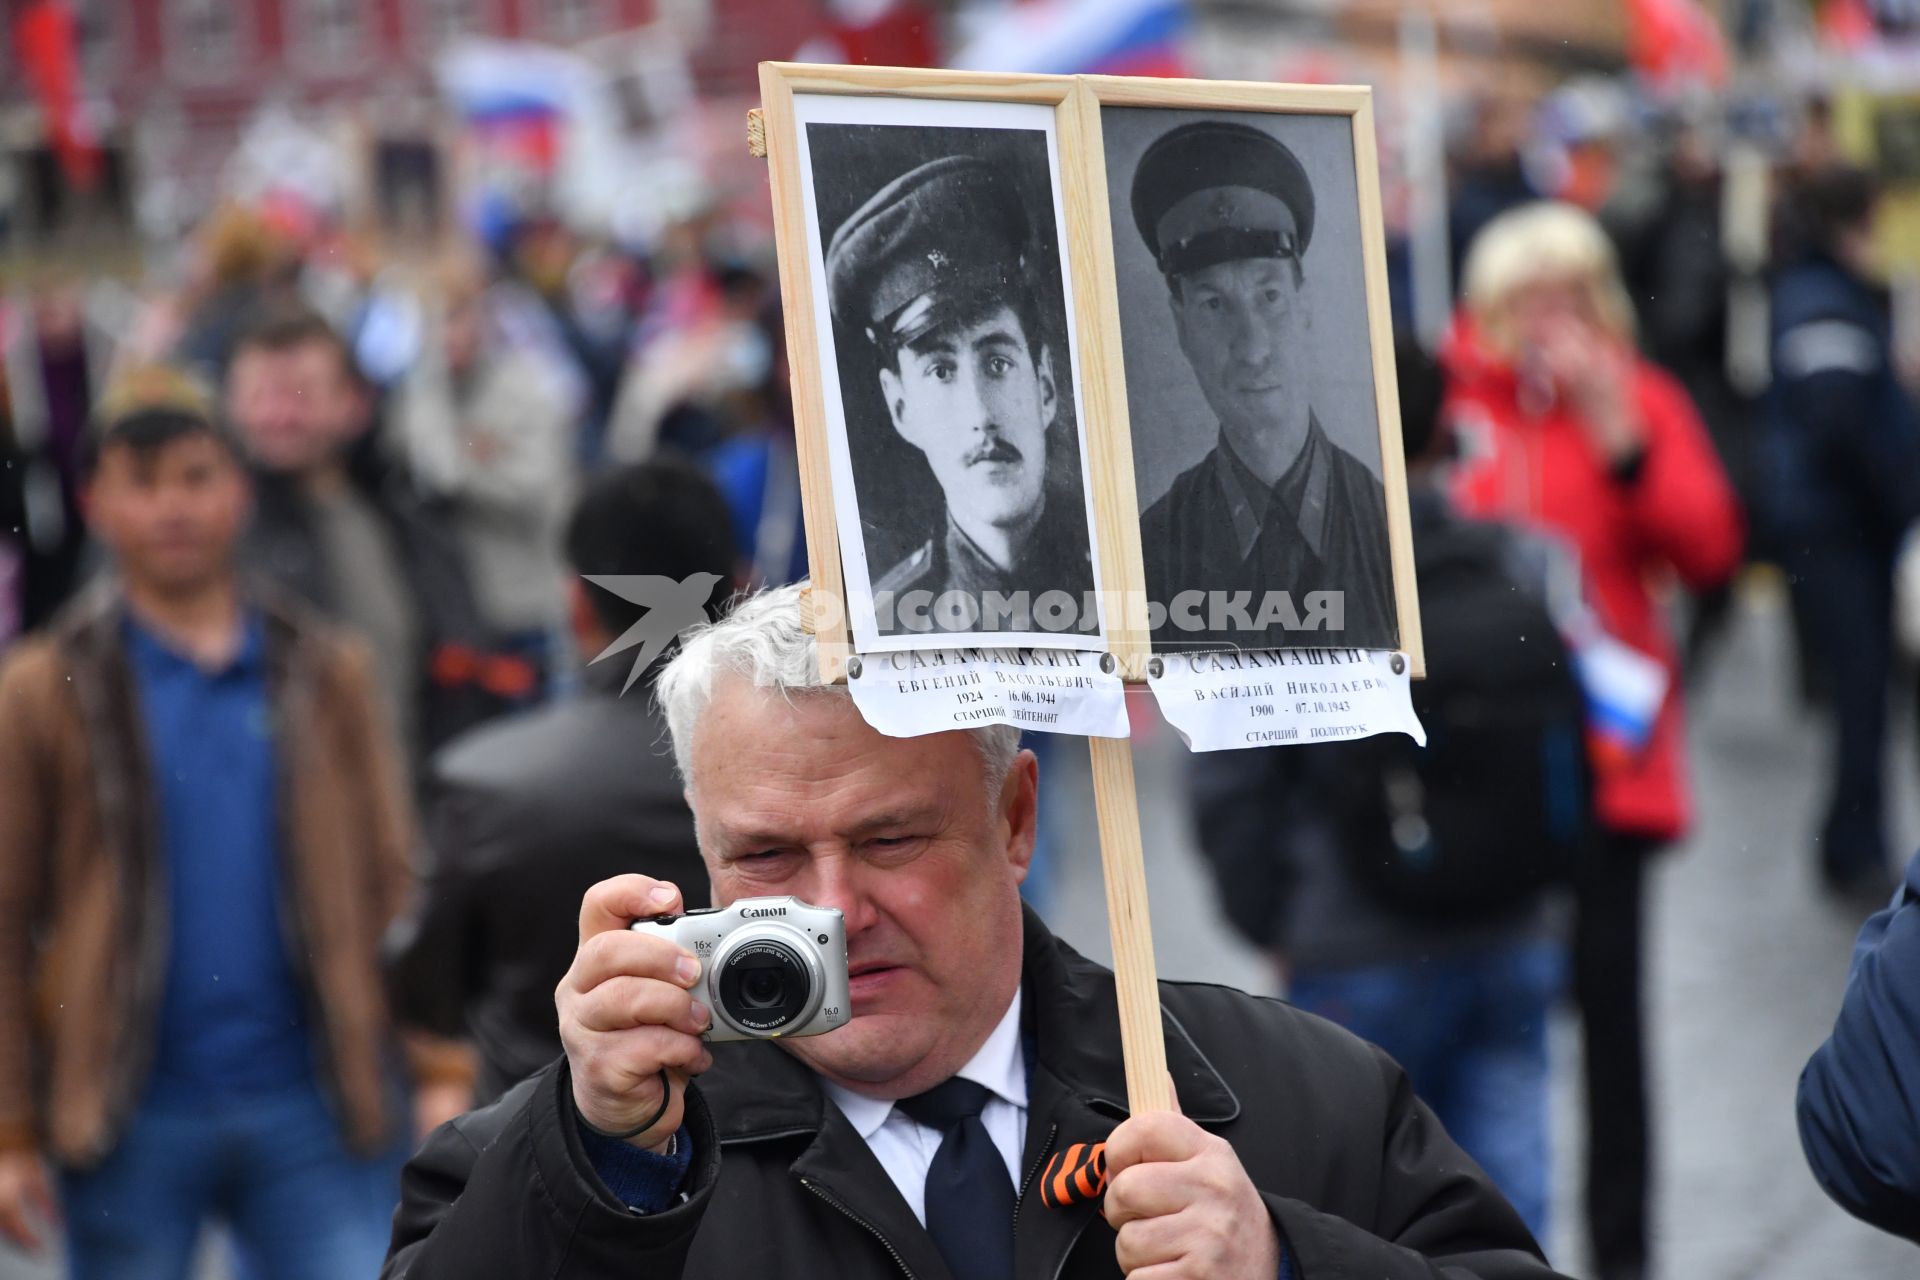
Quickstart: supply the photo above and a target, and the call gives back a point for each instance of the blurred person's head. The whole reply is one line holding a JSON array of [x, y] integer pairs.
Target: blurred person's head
[[240, 247], [742, 288], [662, 518], [1836, 209], [59, 314], [921, 843], [294, 394], [682, 244], [1814, 145], [459, 285], [1542, 265], [1696, 137], [1422, 388], [165, 491], [543, 252], [1577, 134], [746, 352], [1498, 124], [463, 330]]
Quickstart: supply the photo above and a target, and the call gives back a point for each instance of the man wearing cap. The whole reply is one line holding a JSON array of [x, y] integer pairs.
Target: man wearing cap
[[1276, 505], [935, 271]]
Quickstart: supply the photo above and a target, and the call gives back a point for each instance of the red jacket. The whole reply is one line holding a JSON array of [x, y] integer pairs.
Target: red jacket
[[1677, 516]]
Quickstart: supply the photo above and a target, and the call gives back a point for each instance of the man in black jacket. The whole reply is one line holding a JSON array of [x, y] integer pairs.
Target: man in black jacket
[[981, 1052], [527, 813], [1840, 460]]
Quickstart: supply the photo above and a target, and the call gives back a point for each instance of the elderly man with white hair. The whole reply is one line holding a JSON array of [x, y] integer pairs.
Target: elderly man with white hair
[[981, 1051]]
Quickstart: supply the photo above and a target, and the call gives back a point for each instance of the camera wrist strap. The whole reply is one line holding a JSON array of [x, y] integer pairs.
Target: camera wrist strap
[[666, 1100]]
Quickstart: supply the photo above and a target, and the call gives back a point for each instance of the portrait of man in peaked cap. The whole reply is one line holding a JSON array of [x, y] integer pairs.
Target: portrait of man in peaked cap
[[1249, 379], [943, 271]]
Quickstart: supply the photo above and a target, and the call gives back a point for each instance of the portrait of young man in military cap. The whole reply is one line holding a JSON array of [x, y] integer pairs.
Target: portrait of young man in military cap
[[944, 279], [1249, 379]]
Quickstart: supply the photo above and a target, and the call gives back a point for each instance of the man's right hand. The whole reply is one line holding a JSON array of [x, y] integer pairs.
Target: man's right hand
[[27, 1205], [626, 1012]]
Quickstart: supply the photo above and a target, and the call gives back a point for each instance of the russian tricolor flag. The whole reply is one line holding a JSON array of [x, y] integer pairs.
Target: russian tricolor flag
[[515, 96], [1076, 37], [1625, 691]]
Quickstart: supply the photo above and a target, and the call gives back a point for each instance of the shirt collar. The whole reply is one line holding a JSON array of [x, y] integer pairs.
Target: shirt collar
[[246, 660], [999, 1065], [1301, 491]]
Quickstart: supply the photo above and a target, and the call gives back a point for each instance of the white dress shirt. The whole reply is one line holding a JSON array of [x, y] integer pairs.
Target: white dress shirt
[[905, 1148]]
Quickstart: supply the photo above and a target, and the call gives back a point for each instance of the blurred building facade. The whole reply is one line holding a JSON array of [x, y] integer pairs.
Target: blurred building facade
[[165, 89]]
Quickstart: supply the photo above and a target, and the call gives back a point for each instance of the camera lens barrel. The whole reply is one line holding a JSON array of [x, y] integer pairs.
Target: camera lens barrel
[[766, 979]]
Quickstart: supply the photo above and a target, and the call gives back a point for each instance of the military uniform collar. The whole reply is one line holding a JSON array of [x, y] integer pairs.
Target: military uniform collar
[[1301, 492], [968, 567]]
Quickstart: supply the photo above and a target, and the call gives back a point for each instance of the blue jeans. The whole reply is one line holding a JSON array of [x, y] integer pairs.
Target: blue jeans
[[1471, 1032], [273, 1168]]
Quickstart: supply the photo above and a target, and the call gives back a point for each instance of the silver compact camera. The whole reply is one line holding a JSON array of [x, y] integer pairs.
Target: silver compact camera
[[769, 967]]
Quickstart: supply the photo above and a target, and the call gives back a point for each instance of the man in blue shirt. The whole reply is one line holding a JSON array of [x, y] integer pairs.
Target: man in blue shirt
[[203, 836]]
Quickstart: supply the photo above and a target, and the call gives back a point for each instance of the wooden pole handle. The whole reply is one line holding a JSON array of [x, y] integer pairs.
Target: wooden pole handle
[[1142, 1039]]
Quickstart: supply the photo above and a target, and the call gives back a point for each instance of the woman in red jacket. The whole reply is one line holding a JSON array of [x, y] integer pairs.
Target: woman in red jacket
[[1562, 426]]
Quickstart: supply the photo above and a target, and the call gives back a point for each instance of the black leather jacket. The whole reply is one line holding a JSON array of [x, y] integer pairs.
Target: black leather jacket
[[524, 815], [1357, 1174]]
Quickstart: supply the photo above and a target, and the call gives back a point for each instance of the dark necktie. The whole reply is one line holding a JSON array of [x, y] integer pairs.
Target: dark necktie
[[970, 1194]]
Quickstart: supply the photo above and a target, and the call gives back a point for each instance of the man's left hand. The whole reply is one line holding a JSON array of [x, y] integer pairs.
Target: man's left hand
[[1184, 1206]]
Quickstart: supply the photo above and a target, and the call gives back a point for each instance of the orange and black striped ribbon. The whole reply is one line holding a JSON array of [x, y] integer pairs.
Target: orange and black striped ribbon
[[1076, 1174]]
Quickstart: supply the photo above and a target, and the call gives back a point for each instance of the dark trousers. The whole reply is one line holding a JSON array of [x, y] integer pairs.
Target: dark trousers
[[1608, 882], [1846, 596]]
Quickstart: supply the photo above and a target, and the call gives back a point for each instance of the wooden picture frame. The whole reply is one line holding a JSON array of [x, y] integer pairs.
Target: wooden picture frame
[[1077, 104], [1088, 262]]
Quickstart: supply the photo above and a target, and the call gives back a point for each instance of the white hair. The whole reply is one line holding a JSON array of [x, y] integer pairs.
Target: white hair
[[1546, 240], [763, 639]]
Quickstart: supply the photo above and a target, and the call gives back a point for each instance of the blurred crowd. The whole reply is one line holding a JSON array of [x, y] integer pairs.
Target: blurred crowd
[[429, 450]]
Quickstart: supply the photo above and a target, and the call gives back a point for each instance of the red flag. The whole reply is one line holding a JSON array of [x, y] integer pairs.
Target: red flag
[[49, 53], [1676, 40], [1848, 23], [899, 34]]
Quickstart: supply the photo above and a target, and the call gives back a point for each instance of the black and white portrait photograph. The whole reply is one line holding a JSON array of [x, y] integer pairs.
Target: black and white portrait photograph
[[950, 390], [1256, 436]]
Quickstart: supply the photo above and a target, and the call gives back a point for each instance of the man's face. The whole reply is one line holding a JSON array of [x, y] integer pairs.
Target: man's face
[[973, 399], [170, 515], [801, 797], [1243, 326], [294, 409]]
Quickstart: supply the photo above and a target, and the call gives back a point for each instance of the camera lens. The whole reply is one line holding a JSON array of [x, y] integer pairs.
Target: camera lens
[[762, 988], [764, 985]]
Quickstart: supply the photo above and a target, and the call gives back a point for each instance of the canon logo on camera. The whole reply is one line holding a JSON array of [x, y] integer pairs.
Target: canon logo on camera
[[756, 913]]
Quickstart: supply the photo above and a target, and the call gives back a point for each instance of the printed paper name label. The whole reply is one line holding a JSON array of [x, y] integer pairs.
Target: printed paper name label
[[1282, 697], [905, 694]]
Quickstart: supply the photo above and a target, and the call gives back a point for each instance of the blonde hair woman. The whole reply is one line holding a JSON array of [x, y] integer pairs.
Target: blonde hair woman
[[1561, 425]]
